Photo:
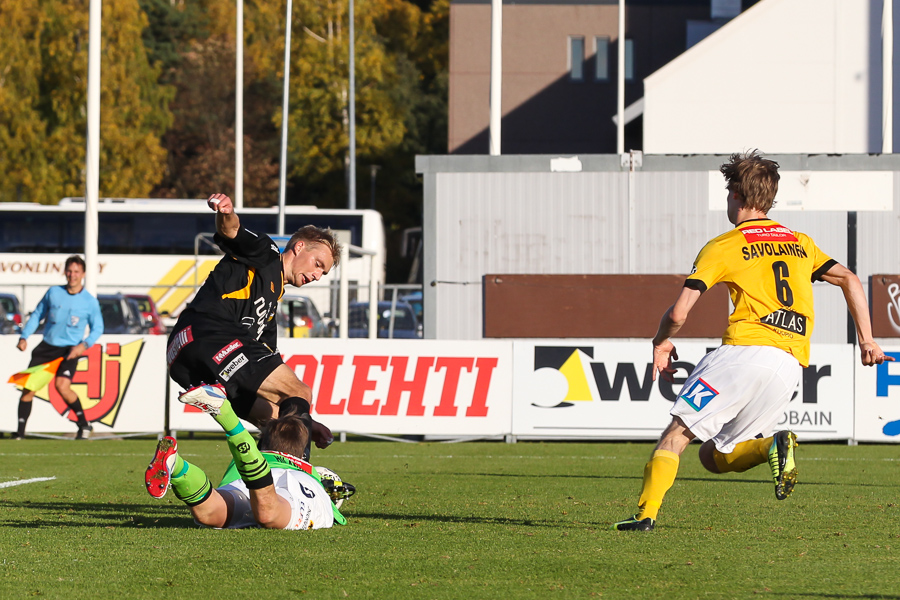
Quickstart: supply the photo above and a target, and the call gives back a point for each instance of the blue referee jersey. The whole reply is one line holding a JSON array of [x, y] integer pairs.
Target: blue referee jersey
[[68, 315]]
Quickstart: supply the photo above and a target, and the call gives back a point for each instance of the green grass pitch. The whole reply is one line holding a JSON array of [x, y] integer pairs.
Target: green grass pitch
[[467, 521]]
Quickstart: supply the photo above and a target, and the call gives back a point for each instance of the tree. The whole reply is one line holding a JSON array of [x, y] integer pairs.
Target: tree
[[42, 109], [21, 126]]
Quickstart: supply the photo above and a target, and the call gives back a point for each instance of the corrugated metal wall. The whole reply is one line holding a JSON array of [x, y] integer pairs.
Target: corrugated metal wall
[[510, 215]]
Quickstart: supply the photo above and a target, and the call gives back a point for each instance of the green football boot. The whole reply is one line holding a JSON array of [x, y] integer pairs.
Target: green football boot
[[781, 461], [633, 524]]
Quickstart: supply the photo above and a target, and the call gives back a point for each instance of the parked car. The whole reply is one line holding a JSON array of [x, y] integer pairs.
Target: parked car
[[308, 322], [414, 299], [122, 315], [9, 303], [148, 309], [6, 323], [405, 324]]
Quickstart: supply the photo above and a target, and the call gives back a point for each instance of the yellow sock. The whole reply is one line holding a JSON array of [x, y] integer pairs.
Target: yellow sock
[[659, 475], [745, 455]]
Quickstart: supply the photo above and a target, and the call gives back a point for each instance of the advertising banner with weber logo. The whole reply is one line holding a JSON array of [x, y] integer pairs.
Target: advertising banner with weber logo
[[878, 400], [120, 381], [604, 389], [400, 387]]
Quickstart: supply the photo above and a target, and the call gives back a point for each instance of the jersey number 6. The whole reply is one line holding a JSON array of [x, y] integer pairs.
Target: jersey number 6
[[782, 289]]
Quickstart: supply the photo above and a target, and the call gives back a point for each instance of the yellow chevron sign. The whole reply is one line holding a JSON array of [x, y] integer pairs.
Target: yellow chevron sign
[[179, 284]]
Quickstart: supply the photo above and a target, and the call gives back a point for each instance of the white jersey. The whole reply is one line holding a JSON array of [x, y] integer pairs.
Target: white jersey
[[311, 508]]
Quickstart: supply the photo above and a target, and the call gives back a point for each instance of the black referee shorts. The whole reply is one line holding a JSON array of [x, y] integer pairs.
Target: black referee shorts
[[44, 353]]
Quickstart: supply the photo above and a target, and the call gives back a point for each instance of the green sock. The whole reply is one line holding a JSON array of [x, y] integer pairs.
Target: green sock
[[248, 459], [189, 482], [226, 417]]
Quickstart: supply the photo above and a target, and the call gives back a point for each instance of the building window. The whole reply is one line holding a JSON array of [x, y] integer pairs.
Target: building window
[[601, 58], [576, 58], [629, 60]]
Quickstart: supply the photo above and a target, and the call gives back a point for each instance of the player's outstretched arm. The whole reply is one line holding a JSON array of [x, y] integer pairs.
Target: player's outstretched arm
[[672, 321], [841, 276], [227, 222]]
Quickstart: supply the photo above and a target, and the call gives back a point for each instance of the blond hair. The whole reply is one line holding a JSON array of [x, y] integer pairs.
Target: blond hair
[[310, 234]]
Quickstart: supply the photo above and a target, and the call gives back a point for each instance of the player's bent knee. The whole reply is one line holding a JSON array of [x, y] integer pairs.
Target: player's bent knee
[[214, 511], [707, 457], [283, 383]]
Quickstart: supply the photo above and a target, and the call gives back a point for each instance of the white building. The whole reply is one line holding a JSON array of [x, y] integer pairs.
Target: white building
[[784, 76]]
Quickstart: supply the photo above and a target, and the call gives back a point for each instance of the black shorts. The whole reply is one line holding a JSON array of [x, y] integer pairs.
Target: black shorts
[[44, 353], [202, 352]]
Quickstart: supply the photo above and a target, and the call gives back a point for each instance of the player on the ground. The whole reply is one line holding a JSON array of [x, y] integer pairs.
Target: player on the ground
[[69, 310], [267, 485], [733, 398], [226, 337]]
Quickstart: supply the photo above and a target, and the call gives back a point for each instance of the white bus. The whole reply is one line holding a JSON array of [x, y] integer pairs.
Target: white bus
[[151, 246]]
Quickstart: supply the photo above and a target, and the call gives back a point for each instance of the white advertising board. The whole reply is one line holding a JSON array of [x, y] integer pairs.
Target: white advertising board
[[121, 383], [604, 389], [878, 400], [397, 387]]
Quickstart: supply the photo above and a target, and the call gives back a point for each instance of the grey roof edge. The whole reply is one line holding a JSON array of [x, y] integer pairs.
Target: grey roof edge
[[540, 163]]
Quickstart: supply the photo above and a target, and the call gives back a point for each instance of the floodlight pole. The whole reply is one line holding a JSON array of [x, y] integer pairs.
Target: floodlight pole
[[239, 109], [496, 76], [92, 162], [620, 78], [887, 78], [351, 176], [282, 179]]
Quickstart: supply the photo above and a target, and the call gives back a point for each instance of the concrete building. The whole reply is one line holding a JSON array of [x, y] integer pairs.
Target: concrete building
[[560, 68], [702, 76], [786, 76]]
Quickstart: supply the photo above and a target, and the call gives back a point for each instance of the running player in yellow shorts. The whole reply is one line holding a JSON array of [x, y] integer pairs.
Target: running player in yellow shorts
[[733, 398]]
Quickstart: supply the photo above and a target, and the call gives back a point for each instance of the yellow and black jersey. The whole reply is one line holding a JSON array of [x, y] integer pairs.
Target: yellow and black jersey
[[769, 271], [244, 288]]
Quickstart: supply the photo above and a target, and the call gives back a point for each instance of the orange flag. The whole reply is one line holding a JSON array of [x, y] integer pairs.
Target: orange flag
[[35, 378]]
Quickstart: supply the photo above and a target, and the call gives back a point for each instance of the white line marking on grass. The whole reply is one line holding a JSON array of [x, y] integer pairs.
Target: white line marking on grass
[[7, 484], [488, 456], [142, 454], [597, 457]]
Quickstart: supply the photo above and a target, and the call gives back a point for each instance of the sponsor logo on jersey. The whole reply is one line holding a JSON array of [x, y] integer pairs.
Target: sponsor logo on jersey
[[264, 313], [233, 367], [179, 341], [73, 321], [224, 352], [699, 395], [786, 320], [768, 233]]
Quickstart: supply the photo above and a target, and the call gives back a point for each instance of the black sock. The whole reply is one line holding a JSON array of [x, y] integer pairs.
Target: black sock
[[75, 407], [24, 413]]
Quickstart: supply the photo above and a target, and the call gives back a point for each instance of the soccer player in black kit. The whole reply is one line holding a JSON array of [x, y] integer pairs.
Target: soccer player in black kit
[[225, 341]]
